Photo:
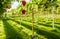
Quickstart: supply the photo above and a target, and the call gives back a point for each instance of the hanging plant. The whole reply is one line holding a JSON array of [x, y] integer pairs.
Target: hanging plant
[[23, 11], [23, 2], [8, 6]]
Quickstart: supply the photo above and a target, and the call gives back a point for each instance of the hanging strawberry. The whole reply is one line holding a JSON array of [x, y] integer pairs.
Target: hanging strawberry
[[8, 6], [23, 11], [23, 2]]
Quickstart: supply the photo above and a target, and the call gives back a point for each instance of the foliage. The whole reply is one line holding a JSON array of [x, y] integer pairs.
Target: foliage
[[3, 4]]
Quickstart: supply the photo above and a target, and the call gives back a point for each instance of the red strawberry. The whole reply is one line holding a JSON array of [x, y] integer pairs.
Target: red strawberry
[[24, 2], [23, 11], [8, 7]]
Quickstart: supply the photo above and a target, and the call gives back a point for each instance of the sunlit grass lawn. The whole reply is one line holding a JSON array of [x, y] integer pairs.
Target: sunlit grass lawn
[[11, 28]]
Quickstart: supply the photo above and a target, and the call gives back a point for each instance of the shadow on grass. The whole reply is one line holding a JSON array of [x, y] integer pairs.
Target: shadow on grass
[[11, 33], [48, 35], [48, 25], [57, 23], [57, 31]]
